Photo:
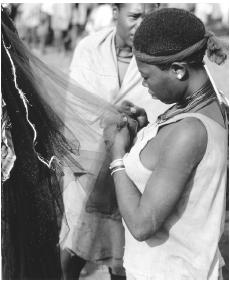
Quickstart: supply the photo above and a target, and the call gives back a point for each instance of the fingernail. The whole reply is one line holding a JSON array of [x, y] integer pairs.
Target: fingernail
[[133, 110], [125, 119]]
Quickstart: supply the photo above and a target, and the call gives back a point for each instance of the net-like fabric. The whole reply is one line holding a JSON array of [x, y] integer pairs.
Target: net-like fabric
[[40, 103]]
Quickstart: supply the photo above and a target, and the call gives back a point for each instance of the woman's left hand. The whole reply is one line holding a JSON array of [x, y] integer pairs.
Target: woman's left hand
[[117, 139], [121, 143]]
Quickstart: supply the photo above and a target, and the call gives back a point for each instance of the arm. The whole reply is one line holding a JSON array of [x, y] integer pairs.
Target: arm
[[145, 213]]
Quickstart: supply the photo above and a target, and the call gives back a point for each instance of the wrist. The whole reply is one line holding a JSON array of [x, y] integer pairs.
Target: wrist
[[117, 154], [116, 165]]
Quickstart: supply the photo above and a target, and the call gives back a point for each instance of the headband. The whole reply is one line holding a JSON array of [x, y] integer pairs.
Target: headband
[[175, 57]]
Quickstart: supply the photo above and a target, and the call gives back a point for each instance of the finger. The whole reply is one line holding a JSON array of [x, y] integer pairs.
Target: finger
[[133, 125], [125, 107], [133, 110], [127, 103], [123, 121]]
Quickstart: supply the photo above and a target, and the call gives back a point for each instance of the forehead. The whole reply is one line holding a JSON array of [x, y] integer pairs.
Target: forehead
[[133, 7], [147, 69], [140, 7]]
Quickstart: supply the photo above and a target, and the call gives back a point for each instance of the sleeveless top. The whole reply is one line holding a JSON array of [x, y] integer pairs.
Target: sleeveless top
[[186, 247]]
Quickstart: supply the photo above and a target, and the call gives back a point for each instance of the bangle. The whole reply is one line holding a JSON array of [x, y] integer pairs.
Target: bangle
[[117, 169], [116, 163]]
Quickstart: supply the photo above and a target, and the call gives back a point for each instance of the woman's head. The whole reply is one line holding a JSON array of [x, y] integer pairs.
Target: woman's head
[[170, 44], [167, 32]]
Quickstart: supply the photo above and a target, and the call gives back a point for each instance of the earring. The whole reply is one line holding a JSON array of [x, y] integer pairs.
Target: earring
[[179, 76]]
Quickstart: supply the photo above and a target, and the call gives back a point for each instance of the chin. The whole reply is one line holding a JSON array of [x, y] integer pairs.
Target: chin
[[167, 101], [154, 97], [129, 43]]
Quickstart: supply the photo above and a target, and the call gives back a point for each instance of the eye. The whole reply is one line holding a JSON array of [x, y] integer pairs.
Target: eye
[[135, 16]]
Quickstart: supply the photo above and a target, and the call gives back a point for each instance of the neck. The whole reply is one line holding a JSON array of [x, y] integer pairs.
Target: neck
[[198, 77], [201, 97], [122, 49]]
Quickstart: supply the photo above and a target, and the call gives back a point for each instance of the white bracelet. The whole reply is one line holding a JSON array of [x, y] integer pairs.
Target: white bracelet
[[116, 170], [116, 163]]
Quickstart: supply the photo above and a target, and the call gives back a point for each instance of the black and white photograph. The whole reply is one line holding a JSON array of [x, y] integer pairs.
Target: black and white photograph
[[114, 141]]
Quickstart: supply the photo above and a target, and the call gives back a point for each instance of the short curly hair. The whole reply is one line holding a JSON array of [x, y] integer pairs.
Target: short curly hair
[[168, 31]]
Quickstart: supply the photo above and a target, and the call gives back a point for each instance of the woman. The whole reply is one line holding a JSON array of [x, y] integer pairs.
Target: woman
[[170, 185]]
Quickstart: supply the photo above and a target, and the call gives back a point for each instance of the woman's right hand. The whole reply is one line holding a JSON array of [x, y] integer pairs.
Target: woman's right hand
[[135, 112]]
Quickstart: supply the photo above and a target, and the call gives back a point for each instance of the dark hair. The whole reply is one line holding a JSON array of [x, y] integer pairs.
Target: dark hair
[[31, 197], [168, 31]]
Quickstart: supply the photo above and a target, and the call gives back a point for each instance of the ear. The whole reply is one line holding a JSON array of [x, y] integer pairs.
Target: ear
[[180, 70], [115, 12]]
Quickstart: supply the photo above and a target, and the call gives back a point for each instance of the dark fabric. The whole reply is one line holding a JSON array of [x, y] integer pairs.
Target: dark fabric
[[29, 227], [102, 199], [31, 200], [71, 265], [115, 276]]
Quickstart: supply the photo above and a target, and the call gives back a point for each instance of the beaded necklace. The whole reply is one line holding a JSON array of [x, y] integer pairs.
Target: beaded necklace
[[203, 96]]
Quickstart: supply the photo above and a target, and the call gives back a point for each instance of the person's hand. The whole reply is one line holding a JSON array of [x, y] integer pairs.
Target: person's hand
[[117, 138], [135, 112], [121, 143]]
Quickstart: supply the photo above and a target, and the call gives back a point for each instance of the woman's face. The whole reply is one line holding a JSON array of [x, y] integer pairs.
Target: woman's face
[[129, 17], [162, 84]]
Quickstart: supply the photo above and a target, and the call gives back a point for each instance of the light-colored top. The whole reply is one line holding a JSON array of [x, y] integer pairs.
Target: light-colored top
[[186, 247]]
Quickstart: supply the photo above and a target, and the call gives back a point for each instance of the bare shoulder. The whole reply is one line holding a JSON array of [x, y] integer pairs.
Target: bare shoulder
[[191, 128], [186, 138]]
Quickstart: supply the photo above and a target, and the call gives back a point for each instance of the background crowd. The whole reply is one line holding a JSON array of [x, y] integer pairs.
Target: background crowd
[[62, 25]]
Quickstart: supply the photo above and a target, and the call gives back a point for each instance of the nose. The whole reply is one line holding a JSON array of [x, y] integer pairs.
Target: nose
[[137, 23], [144, 84]]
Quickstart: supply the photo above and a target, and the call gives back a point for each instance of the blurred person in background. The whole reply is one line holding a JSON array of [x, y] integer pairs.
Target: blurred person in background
[[224, 7], [186, 6], [44, 27], [74, 31], [103, 63], [203, 11], [60, 21], [78, 22], [29, 20], [101, 16]]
